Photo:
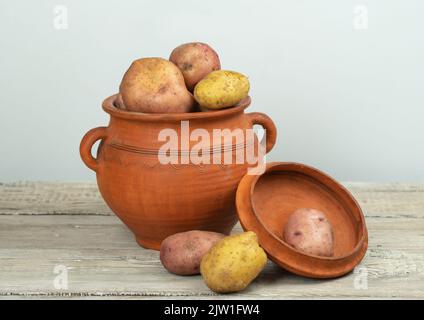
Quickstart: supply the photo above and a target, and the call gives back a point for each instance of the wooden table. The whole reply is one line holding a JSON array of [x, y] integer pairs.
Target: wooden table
[[60, 240]]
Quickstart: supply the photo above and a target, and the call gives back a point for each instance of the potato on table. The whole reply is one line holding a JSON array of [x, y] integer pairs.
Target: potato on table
[[182, 252], [233, 263]]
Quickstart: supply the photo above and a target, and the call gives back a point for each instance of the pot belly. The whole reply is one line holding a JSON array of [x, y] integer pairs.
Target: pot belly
[[156, 200]]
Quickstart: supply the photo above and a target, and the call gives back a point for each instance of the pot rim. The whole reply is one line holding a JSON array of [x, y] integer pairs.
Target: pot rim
[[109, 107]]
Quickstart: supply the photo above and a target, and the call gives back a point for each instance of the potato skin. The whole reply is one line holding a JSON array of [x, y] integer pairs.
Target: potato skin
[[182, 252], [221, 89], [233, 263], [119, 103], [310, 231], [195, 60], [155, 85]]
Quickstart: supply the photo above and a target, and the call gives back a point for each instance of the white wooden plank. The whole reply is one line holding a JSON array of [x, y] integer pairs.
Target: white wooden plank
[[43, 198], [47, 224], [104, 260], [79, 198]]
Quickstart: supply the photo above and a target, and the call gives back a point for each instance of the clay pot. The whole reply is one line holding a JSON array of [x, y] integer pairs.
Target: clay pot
[[156, 200]]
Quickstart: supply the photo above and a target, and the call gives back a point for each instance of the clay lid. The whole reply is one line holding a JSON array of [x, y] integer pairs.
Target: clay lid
[[264, 203]]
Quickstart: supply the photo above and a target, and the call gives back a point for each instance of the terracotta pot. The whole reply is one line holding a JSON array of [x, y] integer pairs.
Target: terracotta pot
[[156, 200]]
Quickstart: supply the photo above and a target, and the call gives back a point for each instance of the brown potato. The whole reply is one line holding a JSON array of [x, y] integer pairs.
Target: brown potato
[[119, 103], [155, 85], [310, 231], [195, 60], [182, 252]]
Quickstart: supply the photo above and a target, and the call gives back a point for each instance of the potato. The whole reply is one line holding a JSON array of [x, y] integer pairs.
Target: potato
[[155, 85], [195, 60], [310, 231], [221, 89], [182, 252], [119, 103], [233, 263]]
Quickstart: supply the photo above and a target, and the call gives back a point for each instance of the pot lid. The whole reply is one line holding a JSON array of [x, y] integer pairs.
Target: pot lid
[[264, 203]]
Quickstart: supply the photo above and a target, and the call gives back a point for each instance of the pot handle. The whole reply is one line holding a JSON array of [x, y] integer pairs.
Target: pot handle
[[266, 122], [87, 143]]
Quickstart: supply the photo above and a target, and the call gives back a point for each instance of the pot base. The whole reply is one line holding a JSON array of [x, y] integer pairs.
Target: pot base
[[153, 245]]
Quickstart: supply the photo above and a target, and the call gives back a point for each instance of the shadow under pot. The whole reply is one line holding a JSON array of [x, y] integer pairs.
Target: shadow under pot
[[153, 169]]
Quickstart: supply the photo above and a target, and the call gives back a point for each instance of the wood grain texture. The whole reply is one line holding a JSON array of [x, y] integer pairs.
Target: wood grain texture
[[43, 225]]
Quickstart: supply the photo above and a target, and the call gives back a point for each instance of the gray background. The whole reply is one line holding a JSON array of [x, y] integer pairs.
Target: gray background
[[347, 101]]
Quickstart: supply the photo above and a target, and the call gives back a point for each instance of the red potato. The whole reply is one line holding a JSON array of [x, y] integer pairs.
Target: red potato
[[182, 252], [310, 231], [155, 85], [195, 60]]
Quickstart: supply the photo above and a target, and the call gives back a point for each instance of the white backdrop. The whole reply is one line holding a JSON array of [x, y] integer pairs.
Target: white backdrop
[[343, 80]]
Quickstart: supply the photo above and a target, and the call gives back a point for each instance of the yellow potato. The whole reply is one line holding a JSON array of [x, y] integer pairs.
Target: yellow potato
[[233, 262], [221, 89]]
